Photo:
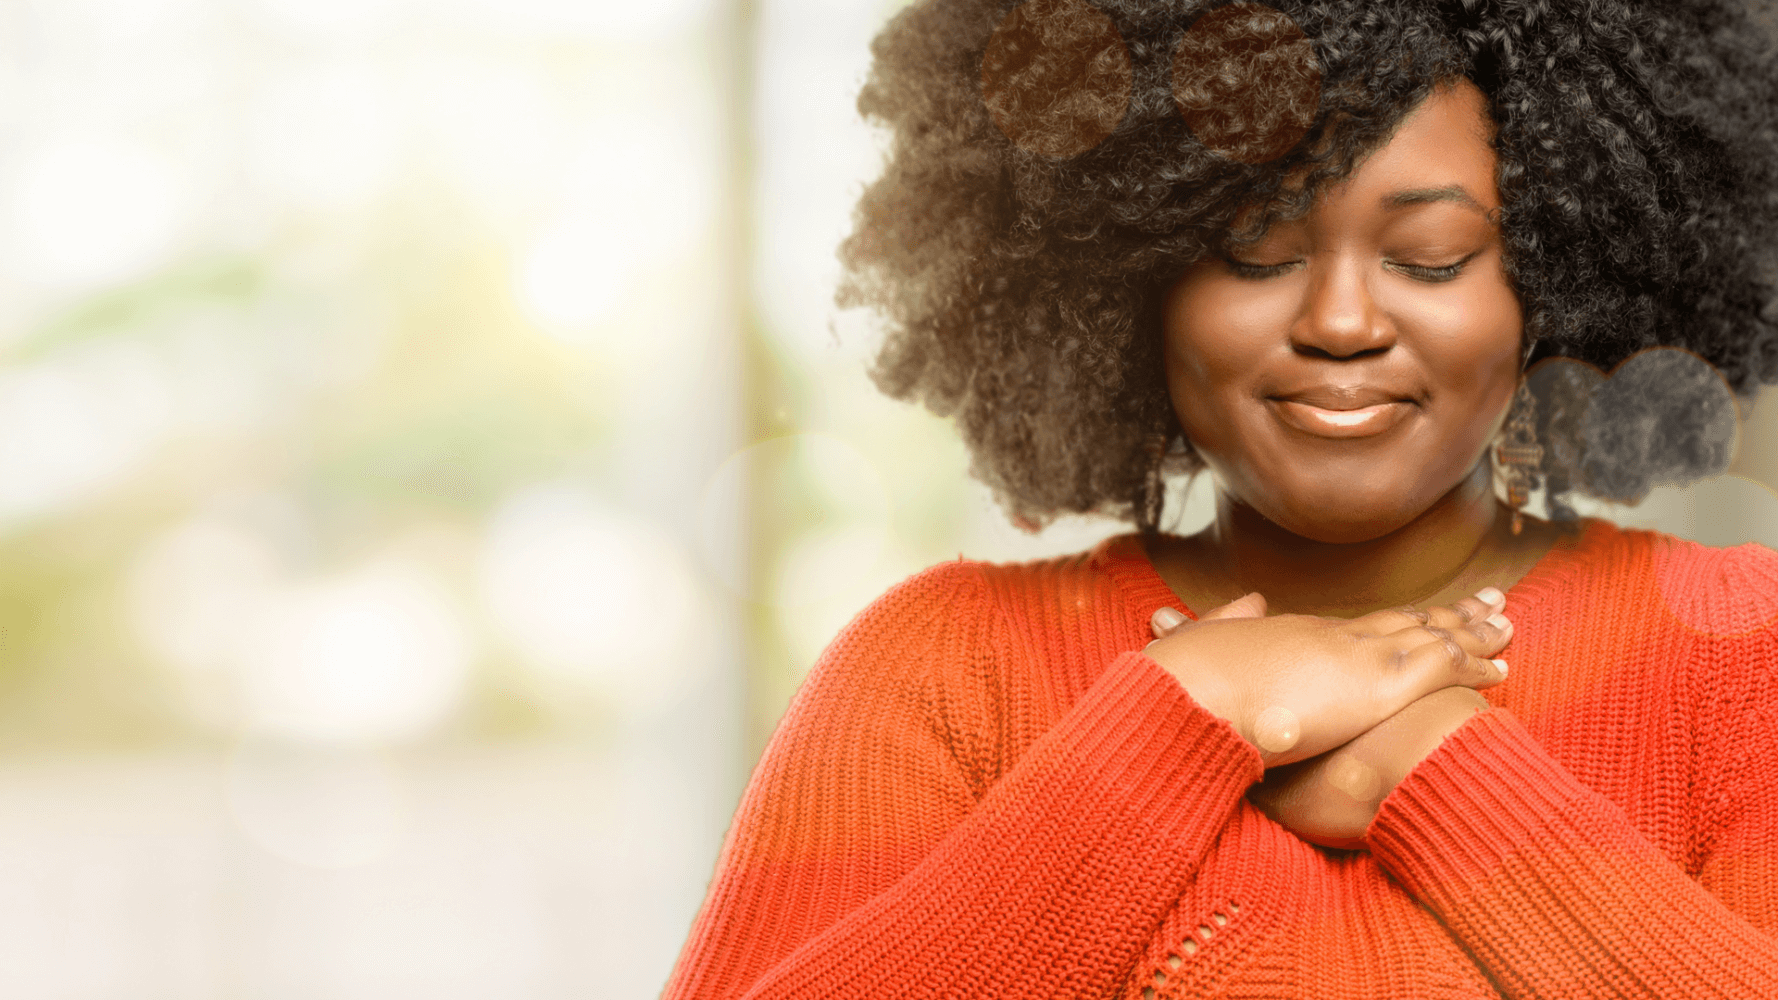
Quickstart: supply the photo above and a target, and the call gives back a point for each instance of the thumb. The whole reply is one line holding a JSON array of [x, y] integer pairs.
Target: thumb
[[1251, 606]]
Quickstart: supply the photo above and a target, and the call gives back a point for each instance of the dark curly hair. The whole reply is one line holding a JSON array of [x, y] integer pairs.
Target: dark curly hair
[[1021, 281]]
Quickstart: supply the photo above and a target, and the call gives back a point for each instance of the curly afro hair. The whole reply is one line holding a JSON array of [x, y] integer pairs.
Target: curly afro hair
[[1021, 280]]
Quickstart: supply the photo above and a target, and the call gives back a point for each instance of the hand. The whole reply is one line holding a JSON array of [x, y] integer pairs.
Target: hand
[[1297, 686], [1331, 799]]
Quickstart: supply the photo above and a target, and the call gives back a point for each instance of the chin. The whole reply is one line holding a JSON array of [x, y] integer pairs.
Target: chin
[[1353, 501], [1348, 521]]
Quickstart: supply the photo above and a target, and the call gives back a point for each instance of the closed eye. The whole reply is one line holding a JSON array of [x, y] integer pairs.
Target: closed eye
[[1420, 272], [1253, 272]]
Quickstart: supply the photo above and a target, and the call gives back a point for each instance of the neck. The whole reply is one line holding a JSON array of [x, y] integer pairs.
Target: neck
[[1406, 566]]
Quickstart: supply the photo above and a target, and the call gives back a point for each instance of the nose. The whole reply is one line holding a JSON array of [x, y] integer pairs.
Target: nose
[[1339, 318]]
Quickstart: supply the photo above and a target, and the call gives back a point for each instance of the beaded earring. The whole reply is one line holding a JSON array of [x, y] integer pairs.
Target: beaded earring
[[1517, 454]]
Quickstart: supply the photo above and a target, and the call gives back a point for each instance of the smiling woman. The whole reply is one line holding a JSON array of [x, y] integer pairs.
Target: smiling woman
[[1282, 757], [1357, 361], [1342, 377]]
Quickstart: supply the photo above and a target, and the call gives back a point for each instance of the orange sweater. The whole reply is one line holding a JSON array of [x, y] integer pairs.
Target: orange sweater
[[984, 789]]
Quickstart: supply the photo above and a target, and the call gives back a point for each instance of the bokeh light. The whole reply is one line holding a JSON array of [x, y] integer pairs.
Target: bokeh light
[[609, 231], [193, 594], [1247, 81], [96, 209], [596, 600], [304, 307], [326, 135], [77, 424], [574, 275], [1056, 77], [844, 524], [376, 656]]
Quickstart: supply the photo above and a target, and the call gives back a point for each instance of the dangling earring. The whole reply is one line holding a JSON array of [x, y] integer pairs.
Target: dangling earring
[[1517, 453]]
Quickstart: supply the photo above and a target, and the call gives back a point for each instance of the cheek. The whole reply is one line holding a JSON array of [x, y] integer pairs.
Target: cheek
[[1211, 336], [1472, 347], [1199, 380]]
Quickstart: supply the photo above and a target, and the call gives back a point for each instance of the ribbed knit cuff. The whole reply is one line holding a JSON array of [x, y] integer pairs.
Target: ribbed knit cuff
[[1144, 742], [1489, 799]]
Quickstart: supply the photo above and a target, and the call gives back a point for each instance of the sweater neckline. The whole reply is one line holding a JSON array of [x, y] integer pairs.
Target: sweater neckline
[[1125, 558]]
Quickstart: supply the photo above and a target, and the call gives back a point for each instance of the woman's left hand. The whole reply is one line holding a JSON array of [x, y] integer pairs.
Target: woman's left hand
[[1331, 799]]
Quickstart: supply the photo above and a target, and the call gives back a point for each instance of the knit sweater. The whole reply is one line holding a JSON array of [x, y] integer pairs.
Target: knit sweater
[[985, 789]]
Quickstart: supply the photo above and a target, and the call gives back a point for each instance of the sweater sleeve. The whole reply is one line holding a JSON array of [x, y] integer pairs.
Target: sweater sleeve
[[1551, 886], [882, 850], [1556, 893]]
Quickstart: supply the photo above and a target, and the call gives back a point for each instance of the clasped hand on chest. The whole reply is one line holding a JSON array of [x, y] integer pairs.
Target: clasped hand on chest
[[1339, 709]]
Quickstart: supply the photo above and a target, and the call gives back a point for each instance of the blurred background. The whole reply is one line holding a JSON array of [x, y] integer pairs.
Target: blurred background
[[429, 460]]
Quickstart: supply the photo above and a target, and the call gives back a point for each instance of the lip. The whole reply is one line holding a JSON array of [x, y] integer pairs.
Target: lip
[[1343, 421]]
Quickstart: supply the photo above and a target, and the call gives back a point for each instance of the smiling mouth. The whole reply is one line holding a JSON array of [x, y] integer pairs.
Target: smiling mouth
[[1320, 421]]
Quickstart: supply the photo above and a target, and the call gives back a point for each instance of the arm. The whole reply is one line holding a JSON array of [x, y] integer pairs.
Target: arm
[[1556, 893], [1547, 883], [1741, 864], [884, 848]]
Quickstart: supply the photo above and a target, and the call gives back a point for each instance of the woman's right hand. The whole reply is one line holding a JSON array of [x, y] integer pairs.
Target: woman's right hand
[[1297, 686]]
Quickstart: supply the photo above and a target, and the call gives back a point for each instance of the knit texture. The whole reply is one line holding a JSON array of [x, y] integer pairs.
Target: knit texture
[[984, 789]]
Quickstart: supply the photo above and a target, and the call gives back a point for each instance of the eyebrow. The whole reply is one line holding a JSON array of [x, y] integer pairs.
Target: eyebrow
[[1422, 196]]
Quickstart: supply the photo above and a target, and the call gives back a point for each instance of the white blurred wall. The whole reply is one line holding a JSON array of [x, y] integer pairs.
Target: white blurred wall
[[363, 367]]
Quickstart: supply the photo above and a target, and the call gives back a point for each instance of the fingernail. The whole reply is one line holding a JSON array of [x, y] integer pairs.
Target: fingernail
[[1490, 596], [1500, 622], [1167, 618], [1502, 665]]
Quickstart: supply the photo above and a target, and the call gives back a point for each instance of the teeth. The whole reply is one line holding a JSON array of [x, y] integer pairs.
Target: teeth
[[1348, 417], [1351, 418], [1326, 422]]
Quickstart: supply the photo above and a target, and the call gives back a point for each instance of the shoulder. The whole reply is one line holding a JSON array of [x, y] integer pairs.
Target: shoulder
[[901, 672], [949, 618], [933, 623], [1619, 607], [1113, 572], [968, 654], [1712, 591], [937, 593], [1719, 605], [1716, 592], [1726, 601]]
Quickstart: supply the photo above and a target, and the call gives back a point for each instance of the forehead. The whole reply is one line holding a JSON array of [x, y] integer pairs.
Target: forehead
[[1442, 150], [1446, 143]]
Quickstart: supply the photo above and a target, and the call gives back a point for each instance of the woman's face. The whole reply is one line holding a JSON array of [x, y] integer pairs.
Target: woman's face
[[1348, 370]]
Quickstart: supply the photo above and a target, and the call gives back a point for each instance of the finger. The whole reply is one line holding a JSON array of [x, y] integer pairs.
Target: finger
[[1485, 602], [1165, 621], [1390, 621], [1250, 606], [1441, 661], [1493, 632], [1483, 637]]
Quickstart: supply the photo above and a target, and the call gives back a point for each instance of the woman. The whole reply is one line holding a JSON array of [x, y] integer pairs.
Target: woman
[[1311, 249]]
